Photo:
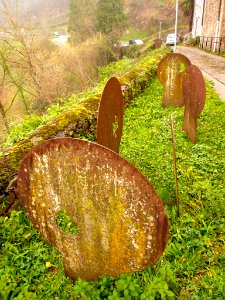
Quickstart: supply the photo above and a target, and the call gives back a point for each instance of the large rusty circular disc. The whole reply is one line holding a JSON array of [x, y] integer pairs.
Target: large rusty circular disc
[[122, 225], [110, 115], [194, 89], [170, 73]]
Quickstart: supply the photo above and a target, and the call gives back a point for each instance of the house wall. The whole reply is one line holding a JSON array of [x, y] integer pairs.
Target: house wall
[[222, 29], [197, 18], [211, 27]]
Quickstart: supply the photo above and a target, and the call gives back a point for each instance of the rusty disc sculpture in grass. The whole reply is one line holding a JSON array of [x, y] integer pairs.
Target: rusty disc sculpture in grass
[[110, 115], [194, 98], [170, 73], [121, 223], [157, 43]]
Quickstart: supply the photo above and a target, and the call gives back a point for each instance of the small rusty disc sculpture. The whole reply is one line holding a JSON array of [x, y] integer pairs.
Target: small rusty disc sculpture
[[122, 225], [110, 115], [170, 73], [194, 99], [157, 43]]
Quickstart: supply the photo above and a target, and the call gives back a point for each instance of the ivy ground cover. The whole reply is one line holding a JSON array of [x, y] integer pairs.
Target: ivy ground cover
[[192, 266]]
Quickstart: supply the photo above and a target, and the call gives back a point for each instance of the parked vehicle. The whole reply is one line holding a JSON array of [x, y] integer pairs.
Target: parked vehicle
[[122, 44], [56, 33], [171, 39], [136, 42]]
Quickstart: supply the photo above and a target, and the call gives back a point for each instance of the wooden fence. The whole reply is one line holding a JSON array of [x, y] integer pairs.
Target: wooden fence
[[212, 44]]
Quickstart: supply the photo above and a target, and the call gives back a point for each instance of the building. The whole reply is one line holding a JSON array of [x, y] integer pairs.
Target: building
[[209, 18], [198, 18], [209, 24]]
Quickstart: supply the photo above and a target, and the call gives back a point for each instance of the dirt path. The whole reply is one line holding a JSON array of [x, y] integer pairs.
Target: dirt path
[[212, 66]]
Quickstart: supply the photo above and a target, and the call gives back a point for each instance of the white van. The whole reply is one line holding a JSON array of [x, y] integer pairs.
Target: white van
[[171, 39]]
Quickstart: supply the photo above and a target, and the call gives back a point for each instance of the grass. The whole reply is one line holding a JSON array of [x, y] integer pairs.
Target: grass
[[192, 266], [196, 248], [133, 33], [144, 35]]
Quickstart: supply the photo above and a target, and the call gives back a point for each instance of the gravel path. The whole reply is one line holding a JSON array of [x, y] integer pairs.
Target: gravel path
[[212, 66]]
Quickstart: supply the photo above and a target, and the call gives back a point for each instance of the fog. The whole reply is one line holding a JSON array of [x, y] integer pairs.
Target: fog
[[37, 7]]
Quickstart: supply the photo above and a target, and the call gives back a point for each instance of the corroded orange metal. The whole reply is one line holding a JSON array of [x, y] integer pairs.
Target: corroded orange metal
[[157, 43], [110, 115], [170, 73], [194, 99], [122, 225]]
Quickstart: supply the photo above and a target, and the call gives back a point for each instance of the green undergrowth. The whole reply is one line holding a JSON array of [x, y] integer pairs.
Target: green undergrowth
[[65, 223], [196, 250], [192, 266], [134, 34]]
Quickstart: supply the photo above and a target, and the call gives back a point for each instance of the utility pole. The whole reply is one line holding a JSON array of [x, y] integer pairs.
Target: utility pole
[[176, 20], [160, 28]]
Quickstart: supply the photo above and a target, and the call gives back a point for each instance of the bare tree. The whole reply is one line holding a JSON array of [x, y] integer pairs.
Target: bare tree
[[34, 72], [82, 19], [3, 112], [187, 7], [21, 58]]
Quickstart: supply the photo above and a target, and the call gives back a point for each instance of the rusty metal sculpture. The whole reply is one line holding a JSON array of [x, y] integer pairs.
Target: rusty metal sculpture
[[157, 43], [122, 225], [170, 73], [194, 99], [110, 115]]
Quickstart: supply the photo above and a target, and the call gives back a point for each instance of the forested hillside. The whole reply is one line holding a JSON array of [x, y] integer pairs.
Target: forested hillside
[[144, 14], [147, 14]]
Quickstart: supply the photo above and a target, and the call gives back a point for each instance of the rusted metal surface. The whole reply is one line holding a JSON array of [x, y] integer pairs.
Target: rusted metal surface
[[110, 115], [170, 73], [157, 43], [122, 225], [194, 99]]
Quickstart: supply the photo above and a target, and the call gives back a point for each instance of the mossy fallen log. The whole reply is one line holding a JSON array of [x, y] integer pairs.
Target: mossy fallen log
[[75, 122]]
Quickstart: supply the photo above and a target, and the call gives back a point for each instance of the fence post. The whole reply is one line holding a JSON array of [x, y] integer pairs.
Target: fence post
[[211, 44], [220, 45]]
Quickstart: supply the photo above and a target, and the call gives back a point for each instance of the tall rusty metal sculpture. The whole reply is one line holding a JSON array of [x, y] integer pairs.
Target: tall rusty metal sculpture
[[170, 73], [194, 98], [110, 115], [122, 225]]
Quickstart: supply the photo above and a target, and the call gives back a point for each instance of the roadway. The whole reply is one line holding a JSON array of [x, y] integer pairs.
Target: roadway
[[211, 65]]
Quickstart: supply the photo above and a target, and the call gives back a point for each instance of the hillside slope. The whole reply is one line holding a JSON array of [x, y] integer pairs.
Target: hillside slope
[[143, 15], [43, 7], [147, 14], [38, 11]]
